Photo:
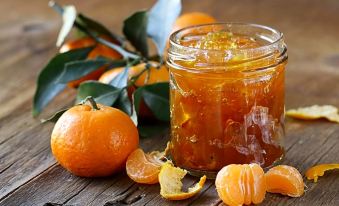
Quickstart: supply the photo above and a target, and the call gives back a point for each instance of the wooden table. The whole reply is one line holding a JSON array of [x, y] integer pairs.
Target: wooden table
[[29, 174]]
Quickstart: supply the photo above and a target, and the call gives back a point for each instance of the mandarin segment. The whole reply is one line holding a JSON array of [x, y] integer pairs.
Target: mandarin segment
[[241, 184], [170, 178], [319, 170], [286, 180], [315, 112], [144, 168]]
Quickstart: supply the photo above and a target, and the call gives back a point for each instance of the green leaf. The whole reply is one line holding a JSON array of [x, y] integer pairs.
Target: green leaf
[[96, 27], [150, 130], [77, 69], [47, 85], [160, 21], [120, 81], [135, 30], [124, 103], [69, 15], [156, 97], [55, 117], [102, 93]]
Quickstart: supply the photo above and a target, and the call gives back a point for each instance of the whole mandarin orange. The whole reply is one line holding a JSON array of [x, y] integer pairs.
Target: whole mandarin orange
[[93, 142], [192, 19], [99, 50], [153, 75]]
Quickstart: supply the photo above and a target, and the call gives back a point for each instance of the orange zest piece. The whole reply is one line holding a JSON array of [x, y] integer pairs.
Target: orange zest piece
[[144, 168], [171, 186], [319, 170], [285, 180], [241, 184], [315, 112]]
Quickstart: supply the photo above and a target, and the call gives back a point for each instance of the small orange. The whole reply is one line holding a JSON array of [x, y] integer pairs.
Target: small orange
[[192, 19], [93, 141], [99, 50], [153, 75], [241, 184], [144, 168], [286, 180]]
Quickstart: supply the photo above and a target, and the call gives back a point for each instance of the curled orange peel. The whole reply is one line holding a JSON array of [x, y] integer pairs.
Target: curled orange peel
[[171, 186], [319, 170], [315, 112]]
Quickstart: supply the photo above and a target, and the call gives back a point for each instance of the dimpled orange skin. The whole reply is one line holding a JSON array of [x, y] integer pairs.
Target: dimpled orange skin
[[99, 50], [286, 180], [93, 143], [241, 184]]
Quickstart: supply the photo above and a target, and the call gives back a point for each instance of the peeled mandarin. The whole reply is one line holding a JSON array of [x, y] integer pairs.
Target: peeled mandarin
[[241, 184]]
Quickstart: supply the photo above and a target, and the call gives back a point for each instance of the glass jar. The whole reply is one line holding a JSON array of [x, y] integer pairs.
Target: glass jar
[[226, 96]]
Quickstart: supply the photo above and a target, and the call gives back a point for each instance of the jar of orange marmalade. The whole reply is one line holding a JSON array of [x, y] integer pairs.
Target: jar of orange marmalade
[[226, 96]]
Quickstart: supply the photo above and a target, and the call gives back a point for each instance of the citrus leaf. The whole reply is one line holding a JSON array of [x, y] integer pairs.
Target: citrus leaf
[[69, 15], [77, 69], [147, 130], [55, 116], [156, 97], [47, 85], [160, 21], [96, 27], [135, 30], [124, 103], [102, 93], [120, 81]]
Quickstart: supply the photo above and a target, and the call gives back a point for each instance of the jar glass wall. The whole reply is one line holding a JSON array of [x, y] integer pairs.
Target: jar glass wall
[[226, 96]]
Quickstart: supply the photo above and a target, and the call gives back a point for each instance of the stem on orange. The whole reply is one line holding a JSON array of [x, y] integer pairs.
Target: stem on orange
[[92, 102]]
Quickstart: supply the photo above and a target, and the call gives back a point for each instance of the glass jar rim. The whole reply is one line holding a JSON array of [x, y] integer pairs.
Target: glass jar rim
[[173, 39]]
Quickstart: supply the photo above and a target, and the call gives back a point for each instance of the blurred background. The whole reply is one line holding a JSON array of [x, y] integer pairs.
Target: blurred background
[[28, 32]]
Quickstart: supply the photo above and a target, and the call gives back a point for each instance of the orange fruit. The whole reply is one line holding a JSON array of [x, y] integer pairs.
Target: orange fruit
[[170, 178], [153, 75], [99, 50], [241, 184], [144, 168], [329, 112], [285, 180], [319, 170], [192, 19], [93, 142]]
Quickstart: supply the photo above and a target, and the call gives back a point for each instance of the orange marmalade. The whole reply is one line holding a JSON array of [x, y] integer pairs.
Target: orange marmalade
[[226, 96]]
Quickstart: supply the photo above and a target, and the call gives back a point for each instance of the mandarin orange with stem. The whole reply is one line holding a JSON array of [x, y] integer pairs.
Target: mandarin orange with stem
[[192, 19], [241, 184], [286, 180], [98, 50], [145, 77], [93, 140]]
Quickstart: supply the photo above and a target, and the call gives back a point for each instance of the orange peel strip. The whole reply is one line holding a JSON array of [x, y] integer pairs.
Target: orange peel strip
[[315, 112], [171, 186], [319, 170]]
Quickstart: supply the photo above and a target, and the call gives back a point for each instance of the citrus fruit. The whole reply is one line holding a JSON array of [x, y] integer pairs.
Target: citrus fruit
[[192, 19], [241, 184], [171, 186], [319, 170], [99, 50], [315, 112], [151, 76], [144, 168], [93, 140], [286, 180]]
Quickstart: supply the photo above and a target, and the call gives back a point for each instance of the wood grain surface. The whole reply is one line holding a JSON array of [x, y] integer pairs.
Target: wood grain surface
[[29, 174]]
